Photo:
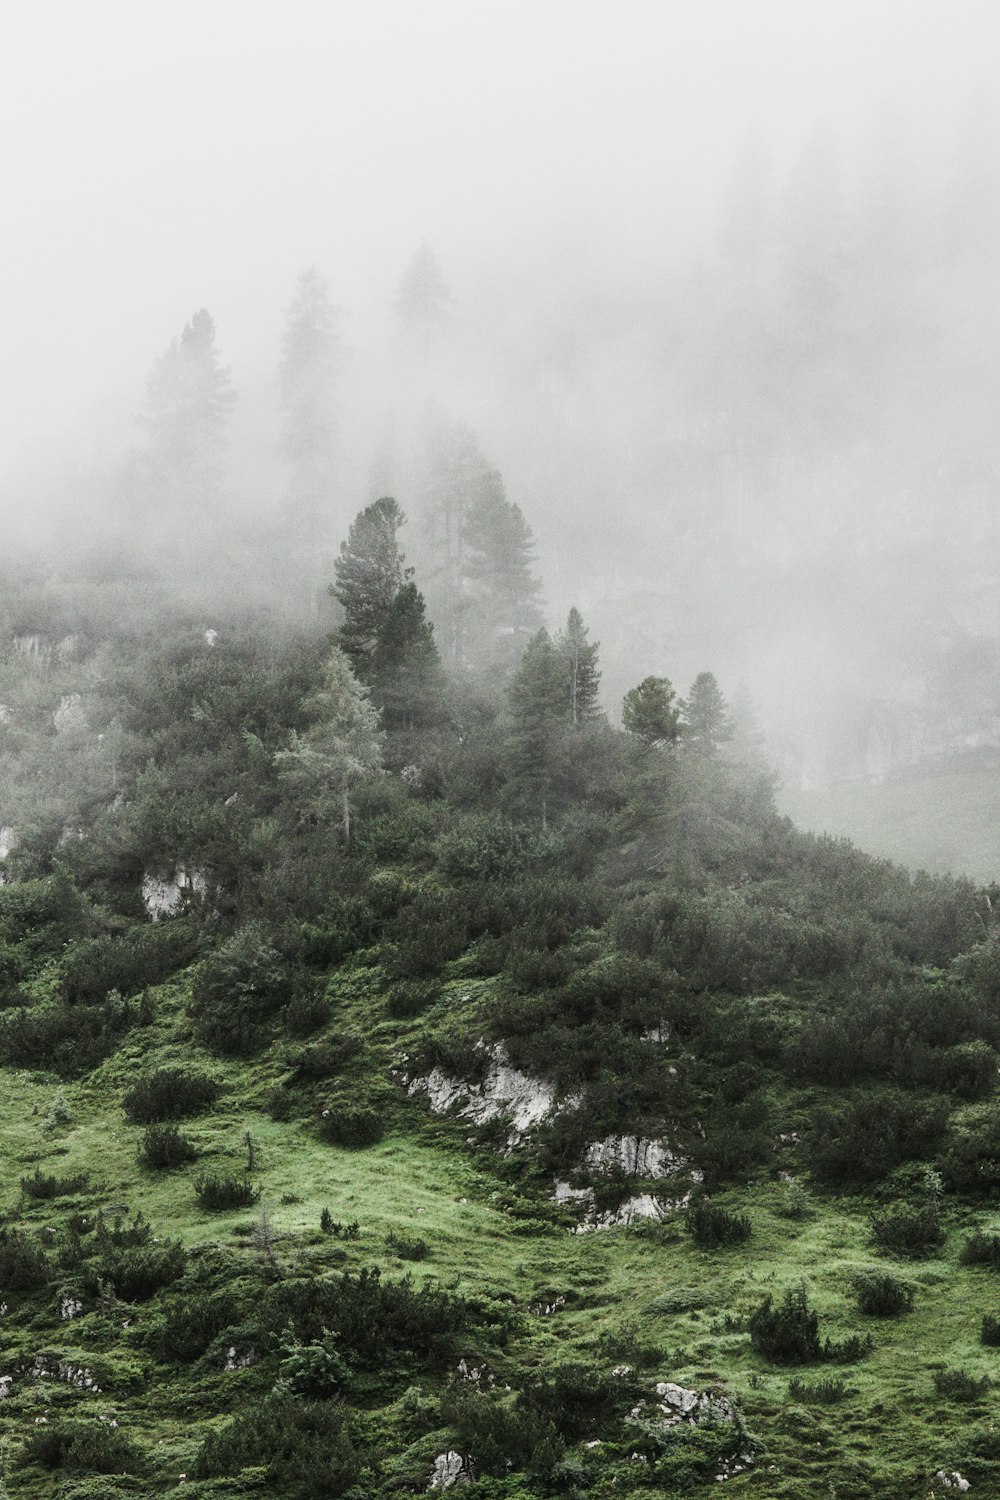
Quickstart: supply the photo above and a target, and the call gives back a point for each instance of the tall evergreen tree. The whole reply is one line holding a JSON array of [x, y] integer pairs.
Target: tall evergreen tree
[[651, 712], [707, 721], [369, 574], [579, 657], [408, 683], [422, 300], [503, 589], [458, 476], [536, 697], [342, 747], [188, 400], [309, 367]]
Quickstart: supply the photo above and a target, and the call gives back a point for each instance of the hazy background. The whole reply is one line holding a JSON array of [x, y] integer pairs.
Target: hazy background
[[724, 312]]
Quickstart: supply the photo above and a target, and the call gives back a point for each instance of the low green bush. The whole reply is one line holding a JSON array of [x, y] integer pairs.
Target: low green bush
[[238, 992], [822, 1392], [218, 1193], [880, 1294], [82, 1447], [305, 1014], [137, 1272], [959, 1385], [408, 1248], [164, 1147], [24, 1266], [789, 1333], [143, 957], [303, 1446], [713, 1227], [325, 1058], [351, 1125], [910, 1229], [981, 1250], [42, 1186], [989, 1331], [171, 1093]]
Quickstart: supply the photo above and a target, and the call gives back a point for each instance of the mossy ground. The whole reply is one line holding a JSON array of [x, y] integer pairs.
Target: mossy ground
[[643, 1295]]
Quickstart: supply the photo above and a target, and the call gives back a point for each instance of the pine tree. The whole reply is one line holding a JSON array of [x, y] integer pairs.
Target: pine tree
[[408, 683], [343, 747], [188, 400], [537, 700], [422, 300], [503, 589], [310, 363], [651, 712], [579, 659], [457, 478], [369, 574], [707, 721]]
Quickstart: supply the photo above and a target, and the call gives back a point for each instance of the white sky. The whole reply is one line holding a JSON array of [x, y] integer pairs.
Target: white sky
[[162, 155]]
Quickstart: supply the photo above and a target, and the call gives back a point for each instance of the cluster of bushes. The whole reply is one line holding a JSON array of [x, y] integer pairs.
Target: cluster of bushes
[[220, 1192], [70, 1039], [870, 1134], [880, 1294], [132, 962], [351, 1125], [711, 1226], [82, 1448], [788, 1334], [42, 1186], [238, 992], [163, 1147], [169, 1094], [911, 1229], [304, 1447]]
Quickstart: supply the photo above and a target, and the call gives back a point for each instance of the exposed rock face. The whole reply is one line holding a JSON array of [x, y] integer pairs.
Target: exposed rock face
[[951, 1481], [8, 839], [505, 1091], [162, 898], [635, 1155], [639, 1206], [658, 1033], [33, 647], [449, 1469], [69, 716], [682, 1405], [5, 713]]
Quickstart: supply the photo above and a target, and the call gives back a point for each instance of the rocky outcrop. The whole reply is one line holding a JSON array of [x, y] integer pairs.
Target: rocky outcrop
[[163, 898], [635, 1155], [504, 1092], [951, 1480], [69, 717], [449, 1469], [638, 1206]]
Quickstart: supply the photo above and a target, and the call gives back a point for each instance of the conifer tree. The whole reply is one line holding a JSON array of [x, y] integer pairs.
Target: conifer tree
[[582, 679], [537, 701], [422, 299], [309, 367], [343, 747], [707, 721], [188, 399], [651, 712], [408, 683], [369, 574], [504, 590]]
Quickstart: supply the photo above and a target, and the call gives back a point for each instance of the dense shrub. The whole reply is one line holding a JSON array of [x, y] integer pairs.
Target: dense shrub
[[910, 1229], [316, 1371], [427, 935], [981, 1250], [238, 991], [711, 1226], [191, 1323], [169, 1094], [882, 1295], [304, 1448], [789, 1334], [23, 1264], [82, 1447], [140, 958], [989, 1331], [217, 1193], [351, 1125], [959, 1385], [501, 1437], [306, 1013], [163, 1147], [576, 1397], [865, 1138], [970, 1162], [408, 1248], [411, 997], [371, 1317], [42, 1186], [324, 1058], [826, 1392], [69, 1039], [138, 1272]]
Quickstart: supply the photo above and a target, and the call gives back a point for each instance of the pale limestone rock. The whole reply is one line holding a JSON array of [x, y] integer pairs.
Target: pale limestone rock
[[449, 1469], [505, 1091], [69, 717], [635, 1155], [162, 898]]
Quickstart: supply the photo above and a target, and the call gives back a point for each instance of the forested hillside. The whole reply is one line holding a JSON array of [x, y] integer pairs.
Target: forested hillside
[[412, 1081]]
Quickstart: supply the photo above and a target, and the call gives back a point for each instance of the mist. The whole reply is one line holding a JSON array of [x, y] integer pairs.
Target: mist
[[717, 300]]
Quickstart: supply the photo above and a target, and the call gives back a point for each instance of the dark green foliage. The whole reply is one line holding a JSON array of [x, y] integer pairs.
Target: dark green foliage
[[23, 1264], [501, 1437], [49, 1185], [136, 1272], [827, 1392], [407, 1247], [711, 1226], [960, 1386], [83, 1447], [369, 573], [577, 1398], [787, 1334], [651, 712], [707, 724], [411, 997], [370, 1317], [910, 1229], [327, 1057], [479, 846], [428, 934], [69, 1039], [880, 1294], [191, 1324], [537, 743], [865, 1138], [404, 669], [351, 1125], [237, 993], [579, 658], [224, 1191], [305, 1014], [163, 1147], [303, 1446], [981, 1250], [989, 1331], [970, 1162], [169, 1094], [316, 1370], [143, 957]]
